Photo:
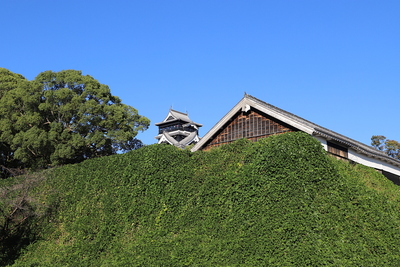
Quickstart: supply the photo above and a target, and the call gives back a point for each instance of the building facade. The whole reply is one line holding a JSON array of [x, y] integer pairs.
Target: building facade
[[178, 129], [253, 119]]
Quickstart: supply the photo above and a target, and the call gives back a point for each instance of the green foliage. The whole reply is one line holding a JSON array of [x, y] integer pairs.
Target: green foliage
[[63, 117], [390, 147], [20, 213], [8, 82], [281, 201]]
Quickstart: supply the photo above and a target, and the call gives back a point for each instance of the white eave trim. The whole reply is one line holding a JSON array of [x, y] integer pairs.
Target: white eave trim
[[245, 105], [280, 116]]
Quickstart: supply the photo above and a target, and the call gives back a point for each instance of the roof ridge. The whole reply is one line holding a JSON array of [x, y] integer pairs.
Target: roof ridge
[[293, 116], [353, 143], [186, 114]]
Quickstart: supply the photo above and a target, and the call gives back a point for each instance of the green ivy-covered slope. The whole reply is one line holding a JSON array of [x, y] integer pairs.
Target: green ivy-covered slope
[[281, 201]]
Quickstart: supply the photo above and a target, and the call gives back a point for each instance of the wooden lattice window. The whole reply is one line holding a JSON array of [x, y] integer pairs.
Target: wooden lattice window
[[251, 125]]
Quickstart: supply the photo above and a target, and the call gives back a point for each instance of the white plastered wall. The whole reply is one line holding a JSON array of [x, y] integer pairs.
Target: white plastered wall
[[372, 162], [364, 160], [323, 142]]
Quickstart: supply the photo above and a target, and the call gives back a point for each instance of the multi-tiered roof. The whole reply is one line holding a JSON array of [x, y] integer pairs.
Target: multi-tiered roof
[[178, 129]]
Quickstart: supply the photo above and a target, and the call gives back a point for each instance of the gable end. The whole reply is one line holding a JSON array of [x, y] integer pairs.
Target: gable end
[[247, 123]]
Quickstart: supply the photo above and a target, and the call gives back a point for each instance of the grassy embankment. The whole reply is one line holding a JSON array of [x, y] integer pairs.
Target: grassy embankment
[[281, 201]]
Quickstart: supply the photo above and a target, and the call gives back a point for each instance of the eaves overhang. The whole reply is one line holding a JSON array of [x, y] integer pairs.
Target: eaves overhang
[[245, 104], [355, 145], [177, 116], [174, 133], [166, 137], [249, 102]]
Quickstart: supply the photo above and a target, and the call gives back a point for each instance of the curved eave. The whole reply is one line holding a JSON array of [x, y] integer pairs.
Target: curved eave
[[177, 116], [184, 122], [166, 137], [170, 122], [193, 123], [192, 137], [189, 139], [174, 133]]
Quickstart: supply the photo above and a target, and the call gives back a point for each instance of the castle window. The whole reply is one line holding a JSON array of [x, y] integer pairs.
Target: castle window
[[337, 150]]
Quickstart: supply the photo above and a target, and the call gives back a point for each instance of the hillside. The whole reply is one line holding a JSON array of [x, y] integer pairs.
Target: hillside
[[281, 201]]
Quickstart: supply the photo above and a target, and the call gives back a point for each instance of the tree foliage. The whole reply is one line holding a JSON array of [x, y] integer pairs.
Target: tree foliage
[[390, 147], [8, 82], [20, 213], [62, 117]]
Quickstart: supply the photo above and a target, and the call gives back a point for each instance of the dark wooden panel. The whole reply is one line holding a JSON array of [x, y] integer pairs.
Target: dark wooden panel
[[251, 125], [337, 150]]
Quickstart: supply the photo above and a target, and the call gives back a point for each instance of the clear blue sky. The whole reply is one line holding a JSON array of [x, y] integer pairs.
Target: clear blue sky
[[335, 63]]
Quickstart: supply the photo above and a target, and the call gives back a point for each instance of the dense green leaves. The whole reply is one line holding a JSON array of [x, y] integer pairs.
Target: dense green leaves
[[63, 117], [390, 147], [277, 202]]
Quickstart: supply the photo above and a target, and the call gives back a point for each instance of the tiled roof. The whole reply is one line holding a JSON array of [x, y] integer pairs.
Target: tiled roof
[[186, 141], [297, 122], [177, 116]]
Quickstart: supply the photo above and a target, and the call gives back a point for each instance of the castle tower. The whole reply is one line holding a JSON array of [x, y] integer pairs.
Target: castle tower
[[178, 129]]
